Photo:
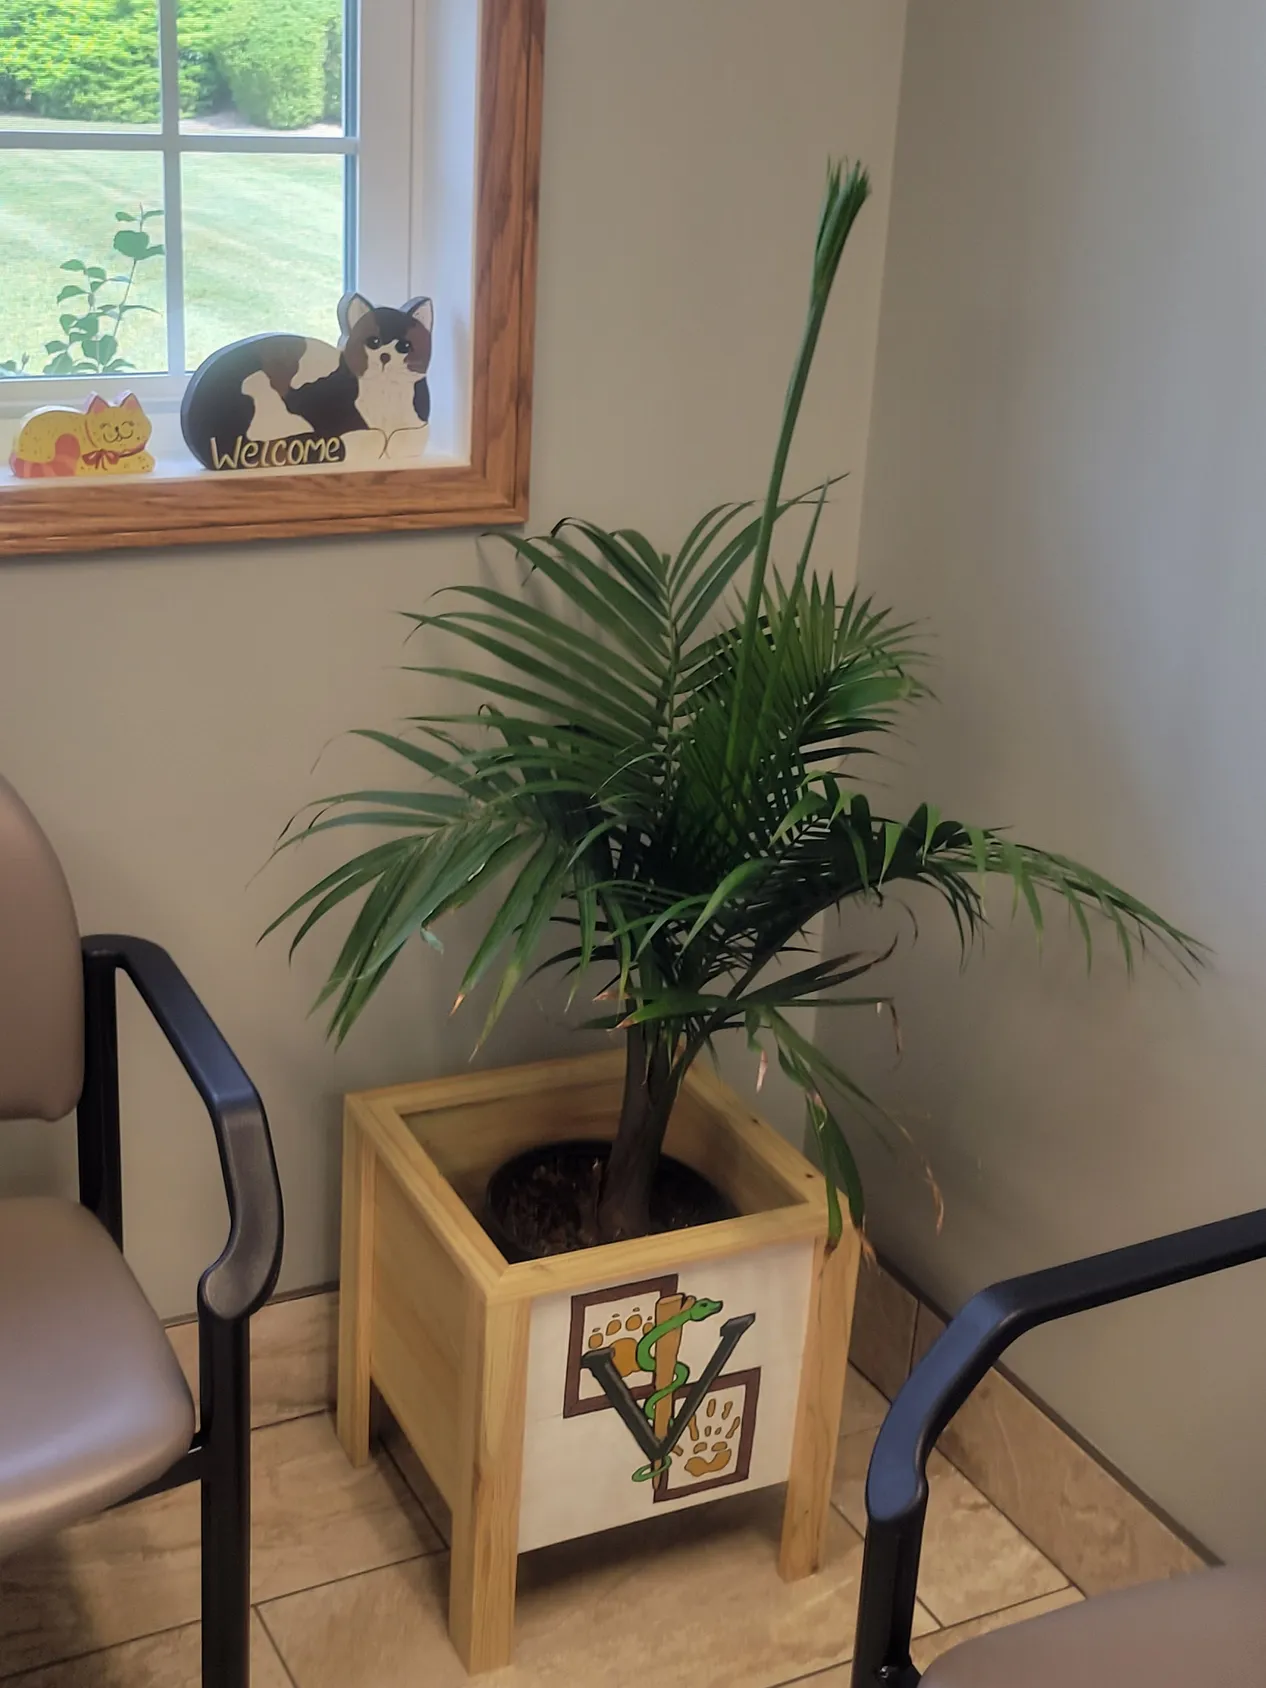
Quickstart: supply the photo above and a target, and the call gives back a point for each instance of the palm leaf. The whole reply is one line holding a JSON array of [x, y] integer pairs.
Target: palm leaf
[[664, 748]]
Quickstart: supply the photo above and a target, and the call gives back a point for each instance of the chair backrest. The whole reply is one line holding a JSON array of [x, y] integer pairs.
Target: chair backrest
[[41, 973]]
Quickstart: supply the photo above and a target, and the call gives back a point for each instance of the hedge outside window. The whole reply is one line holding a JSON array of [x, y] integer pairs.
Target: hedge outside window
[[179, 174], [277, 62]]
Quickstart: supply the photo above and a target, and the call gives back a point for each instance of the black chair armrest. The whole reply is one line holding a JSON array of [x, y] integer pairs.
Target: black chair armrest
[[243, 1276], [896, 1485]]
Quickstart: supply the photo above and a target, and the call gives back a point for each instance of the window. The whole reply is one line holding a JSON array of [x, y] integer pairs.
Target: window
[[176, 175], [165, 112]]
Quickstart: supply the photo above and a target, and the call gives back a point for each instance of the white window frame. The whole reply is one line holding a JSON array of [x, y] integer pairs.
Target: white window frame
[[392, 50], [462, 201]]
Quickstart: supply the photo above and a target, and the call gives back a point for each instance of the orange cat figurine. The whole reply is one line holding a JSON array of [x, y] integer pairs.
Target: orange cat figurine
[[100, 439]]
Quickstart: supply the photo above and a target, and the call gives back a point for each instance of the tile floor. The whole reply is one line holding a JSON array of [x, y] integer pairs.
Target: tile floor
[[350, 1577]]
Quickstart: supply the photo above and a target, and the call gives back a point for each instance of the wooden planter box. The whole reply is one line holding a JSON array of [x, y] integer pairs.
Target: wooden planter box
[[479, 1360]]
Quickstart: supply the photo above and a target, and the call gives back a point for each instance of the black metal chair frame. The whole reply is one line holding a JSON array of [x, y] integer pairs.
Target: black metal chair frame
[[896, 1484], [233, 1288]]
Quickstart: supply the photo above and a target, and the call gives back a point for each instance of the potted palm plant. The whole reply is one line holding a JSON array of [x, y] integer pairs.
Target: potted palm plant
[[660, 751]]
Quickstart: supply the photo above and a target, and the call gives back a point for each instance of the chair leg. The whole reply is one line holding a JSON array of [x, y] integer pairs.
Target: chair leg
[[226, 1505]]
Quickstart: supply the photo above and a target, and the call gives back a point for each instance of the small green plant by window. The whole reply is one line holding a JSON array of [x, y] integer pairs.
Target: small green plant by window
[[282, 60], [89, 332]]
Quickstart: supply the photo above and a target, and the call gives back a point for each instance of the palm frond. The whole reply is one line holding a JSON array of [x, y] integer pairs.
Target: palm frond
[[681, 783]]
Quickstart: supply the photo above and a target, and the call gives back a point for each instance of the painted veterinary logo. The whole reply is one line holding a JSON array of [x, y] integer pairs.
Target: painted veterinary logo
[[712, 1434], [671, 1314], [693, 1425]]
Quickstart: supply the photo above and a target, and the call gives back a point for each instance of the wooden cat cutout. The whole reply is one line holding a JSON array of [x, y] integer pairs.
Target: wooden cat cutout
[[286, 401], [102, 438]]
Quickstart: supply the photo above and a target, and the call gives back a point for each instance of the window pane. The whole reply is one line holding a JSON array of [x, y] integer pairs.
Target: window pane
[[67, 208], [82, 64], [257, 66], [263, 247]]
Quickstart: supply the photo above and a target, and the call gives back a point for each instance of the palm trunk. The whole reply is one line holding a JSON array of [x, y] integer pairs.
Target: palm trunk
[[624, 1208]]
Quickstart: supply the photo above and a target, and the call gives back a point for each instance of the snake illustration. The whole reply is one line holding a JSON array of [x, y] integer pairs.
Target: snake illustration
[[700, 1309]]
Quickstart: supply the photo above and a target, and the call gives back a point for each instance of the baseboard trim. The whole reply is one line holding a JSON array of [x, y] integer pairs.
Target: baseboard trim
[[1099, 1528]]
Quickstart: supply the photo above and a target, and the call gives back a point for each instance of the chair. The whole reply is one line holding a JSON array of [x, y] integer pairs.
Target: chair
[[1209, 1626], [94, 1409]]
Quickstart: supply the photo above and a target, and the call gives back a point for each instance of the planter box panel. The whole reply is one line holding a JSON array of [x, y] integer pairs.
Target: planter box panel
[[631, 1261], [740, 1154], [582, 1470], [492, 1084], [468, 1142], [421, 1326]]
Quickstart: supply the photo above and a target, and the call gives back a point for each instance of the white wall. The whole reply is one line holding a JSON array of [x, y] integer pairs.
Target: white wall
[[1067, 481], [162, 712]]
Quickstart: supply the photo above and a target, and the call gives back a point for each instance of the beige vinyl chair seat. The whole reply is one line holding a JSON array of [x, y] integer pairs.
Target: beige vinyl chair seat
[[1208, 1627], [93, 1404]]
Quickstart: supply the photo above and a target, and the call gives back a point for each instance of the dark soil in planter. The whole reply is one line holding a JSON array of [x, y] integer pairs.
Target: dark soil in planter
[[545, 1201]]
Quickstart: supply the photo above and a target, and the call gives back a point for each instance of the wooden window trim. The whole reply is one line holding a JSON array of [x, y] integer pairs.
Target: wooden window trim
[[491, 491]]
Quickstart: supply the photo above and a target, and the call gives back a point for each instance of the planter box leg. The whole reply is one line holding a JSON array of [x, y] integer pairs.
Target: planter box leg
[[356, 1287], [822, 1377], [485, 1556]]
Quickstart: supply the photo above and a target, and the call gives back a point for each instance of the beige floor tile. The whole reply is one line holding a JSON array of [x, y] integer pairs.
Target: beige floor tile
[[1089, 1524], [929, 1647], [925, 1648], [974, 1561], [317, 1517], [293, 1356], [864, 1407], [170, 1660], [136, 1570], [694, 1599]]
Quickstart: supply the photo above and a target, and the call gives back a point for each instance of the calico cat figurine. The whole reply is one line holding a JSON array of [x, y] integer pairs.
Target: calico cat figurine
[[101, 439], [284, 400]]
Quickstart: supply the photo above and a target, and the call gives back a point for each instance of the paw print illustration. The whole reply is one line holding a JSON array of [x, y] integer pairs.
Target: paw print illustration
[[713, 1434], [621, 1336]]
